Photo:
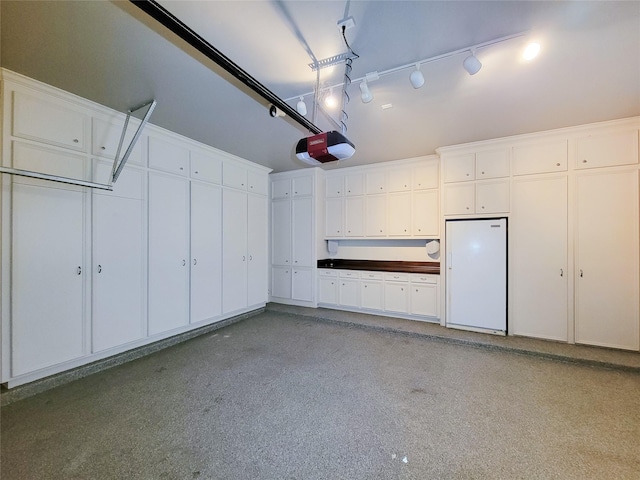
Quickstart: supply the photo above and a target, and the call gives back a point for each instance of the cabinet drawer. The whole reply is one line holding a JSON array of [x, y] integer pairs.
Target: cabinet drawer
[[105, 139], [327, 272], [349, 274], [396, 277], [371, 276], [206, 167], [426, 278], [619, 148], [540, 158], [168, 157], [49, 121]]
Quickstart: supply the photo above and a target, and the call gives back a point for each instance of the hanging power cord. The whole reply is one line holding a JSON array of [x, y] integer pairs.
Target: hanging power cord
[[347, 81]]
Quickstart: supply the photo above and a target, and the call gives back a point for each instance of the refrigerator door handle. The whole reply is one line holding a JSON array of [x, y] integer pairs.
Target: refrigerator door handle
[[450, 262]]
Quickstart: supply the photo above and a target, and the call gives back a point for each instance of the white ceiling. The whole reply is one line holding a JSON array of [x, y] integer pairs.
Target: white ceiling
[[114, 54]]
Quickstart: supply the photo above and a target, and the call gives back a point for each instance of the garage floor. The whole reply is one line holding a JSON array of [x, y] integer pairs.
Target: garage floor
[[296, 393]]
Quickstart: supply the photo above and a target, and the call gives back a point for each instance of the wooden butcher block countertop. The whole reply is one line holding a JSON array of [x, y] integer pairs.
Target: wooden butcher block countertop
[[381, 266]]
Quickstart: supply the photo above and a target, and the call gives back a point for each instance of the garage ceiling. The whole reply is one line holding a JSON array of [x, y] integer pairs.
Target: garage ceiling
[[113, 53]]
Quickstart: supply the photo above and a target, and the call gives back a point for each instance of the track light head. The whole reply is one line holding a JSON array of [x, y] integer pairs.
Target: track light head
[[416, 78], [301, 107], [365, 93], [471, 64]]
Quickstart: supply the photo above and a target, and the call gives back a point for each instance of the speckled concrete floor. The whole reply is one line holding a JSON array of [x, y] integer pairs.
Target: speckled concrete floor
[[284, 396]]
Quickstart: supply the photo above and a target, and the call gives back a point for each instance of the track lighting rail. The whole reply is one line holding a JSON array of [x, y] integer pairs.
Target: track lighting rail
[[166, 18]]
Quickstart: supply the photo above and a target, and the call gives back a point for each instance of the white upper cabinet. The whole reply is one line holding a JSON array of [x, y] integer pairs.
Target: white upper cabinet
[[354, 184], [426, 175], [45, 119], [619, 148], [168, 156], [105, 139], [459, 168], [376, 182], [426, 213], [335, 186], [234, 175], [542, 157], [257, 182], [492, 197], [206, 167], [281, 188], [302, 186], [400, 179], [354, 217], [44, 159], [492, 164]]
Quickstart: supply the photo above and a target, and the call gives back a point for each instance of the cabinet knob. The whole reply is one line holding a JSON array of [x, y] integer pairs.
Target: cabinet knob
[[581, 273], [79, 270], [184, 263], [561, 272], [380, 188], [99, 268], [103, 148], [195, 261], [181, 168], [197, 172], [365, 286], [482, 173], [244, 258], [250, 257], [557, 164], [75, 140], [584, 161], [482, 207]]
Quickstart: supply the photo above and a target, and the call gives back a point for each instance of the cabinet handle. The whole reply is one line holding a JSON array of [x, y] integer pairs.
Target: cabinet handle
[[195, 261], [79, 270], [99, 268], [244, 258], [581, 273], [561, 272], [103, 148], [184, 262], [75, 140], [250, 257]]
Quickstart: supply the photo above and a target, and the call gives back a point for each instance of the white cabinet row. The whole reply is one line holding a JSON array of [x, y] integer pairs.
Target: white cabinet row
[[410, 214], [408, 295], [89, 273]]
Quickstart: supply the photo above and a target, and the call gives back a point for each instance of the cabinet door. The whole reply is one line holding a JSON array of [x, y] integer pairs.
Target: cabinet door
[[459, 199], [540, 158], [376, 215], [328, 290], [168, 156], [354, 184], [335, 186], [105, 139], [459, 168], [206, 251], [396, 297], [372, 294], [234, 175], [303, 186], [400, 180], [281, 232], [376, 182], [49, 121], [281, 188], [492, 164], [257, 182], [354, 217], [424, 300], [426, 175], [303, 239], [334, 216], [348, 290], [399, 208], [168, 252], [302, 284], [234, 250], [206, 166], [47, 268], [607, 260], [258, 253], [620, 148], [492, 197], [426, 213], [538, 266], [281, 282], [119, 275]]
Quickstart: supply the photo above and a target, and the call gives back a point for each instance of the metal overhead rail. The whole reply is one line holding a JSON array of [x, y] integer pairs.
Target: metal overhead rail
[[166, 18], [117, 165]]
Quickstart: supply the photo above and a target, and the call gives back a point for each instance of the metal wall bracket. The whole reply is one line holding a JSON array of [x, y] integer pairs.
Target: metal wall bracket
[[118, 165]]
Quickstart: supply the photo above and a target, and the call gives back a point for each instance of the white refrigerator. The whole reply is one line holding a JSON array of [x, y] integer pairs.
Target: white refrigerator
[[476, 271]]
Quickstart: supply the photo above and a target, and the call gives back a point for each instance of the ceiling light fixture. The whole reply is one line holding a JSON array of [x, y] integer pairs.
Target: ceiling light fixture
[[416, 78], [301, 107], [330, 101], [531, 51], [471, 64], [365, 93]]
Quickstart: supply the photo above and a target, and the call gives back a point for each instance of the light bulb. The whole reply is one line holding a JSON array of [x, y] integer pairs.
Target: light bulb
[[330, 101], [531, 51]]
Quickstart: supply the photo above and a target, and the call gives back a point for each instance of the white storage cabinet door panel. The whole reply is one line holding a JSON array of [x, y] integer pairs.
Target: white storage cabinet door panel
[[396, 297], [234, 248], [426, 213], [354, 216], [302, 284], [372, 292], [206, 167], [257, 249], [234, 175], [281, 188], [539, 254], [540, 158], [375, 215], [459, 168], [47, 160], [348, 289], [281, 282], [607, 260], [168, 252], [459, 199], [424, 300], [106, 134], [303, 238], [303, 186], [206, 251], [334, 215], [168, 156], [492, 197], [328, 290], [492, 164], [620, 148], [399, 214], [281, 232], [118, 270], [47, 300], [426, 175], [50, 121], [257, 182]]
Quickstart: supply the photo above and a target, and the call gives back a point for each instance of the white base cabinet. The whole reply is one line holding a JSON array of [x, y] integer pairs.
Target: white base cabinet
[[406, 295]]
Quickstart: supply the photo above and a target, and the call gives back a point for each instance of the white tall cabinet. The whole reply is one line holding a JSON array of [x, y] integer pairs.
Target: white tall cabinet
[[87, 274], [294, 228]]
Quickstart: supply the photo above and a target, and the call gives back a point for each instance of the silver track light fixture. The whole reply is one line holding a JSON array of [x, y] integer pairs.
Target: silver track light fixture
[[365, 93], [301, 107], [471, 64], [416, 78]]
